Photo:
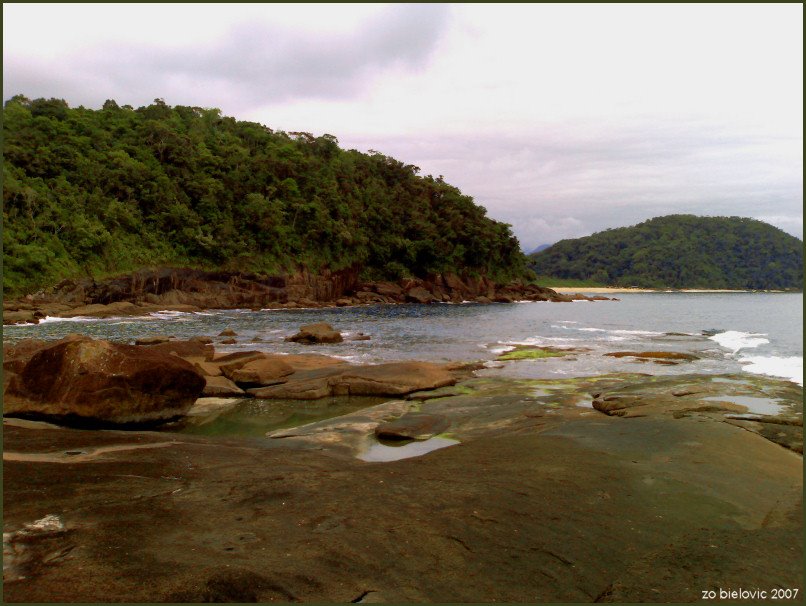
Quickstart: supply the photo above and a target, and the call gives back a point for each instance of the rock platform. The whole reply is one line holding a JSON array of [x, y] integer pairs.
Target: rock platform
[[544, 498]]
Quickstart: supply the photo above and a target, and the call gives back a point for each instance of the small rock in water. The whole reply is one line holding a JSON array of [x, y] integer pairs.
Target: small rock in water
[[228, 332], [321, 332]]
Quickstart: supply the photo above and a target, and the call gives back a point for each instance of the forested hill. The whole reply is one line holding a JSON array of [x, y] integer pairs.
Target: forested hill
[[681, 251], [95, 192]]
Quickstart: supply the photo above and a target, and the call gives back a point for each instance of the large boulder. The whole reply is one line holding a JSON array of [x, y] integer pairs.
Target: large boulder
[[91, 381], [321, 332]]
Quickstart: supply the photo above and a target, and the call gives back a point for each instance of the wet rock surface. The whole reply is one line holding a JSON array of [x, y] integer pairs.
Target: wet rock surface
[[412, 426], [541, 498]]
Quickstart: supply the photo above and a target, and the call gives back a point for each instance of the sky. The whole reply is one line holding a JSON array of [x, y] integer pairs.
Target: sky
[[562, 120]]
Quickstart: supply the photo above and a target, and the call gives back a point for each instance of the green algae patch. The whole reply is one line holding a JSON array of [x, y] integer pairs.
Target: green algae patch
[[532, 353]]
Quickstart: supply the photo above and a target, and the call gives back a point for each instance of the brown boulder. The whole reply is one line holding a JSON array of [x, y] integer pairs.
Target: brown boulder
[[388, 289], [228, 363], [102, 382], [321, 332], [418, 294], [263, 371]]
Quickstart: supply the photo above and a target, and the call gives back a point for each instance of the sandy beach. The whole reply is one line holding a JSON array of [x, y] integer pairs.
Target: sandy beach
[[615, 289]]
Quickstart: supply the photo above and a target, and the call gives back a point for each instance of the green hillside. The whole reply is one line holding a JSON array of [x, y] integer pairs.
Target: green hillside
[[98, 192], [681, 251]]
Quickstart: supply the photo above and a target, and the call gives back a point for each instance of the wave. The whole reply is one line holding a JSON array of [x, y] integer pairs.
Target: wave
[[53, 319], [735, 340], [775, 366]]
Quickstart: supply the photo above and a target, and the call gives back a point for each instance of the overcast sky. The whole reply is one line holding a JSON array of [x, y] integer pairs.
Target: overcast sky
[[562, 120]]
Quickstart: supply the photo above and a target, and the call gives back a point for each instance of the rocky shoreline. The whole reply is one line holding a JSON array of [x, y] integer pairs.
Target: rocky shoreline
[[455, 488], [179, 289]]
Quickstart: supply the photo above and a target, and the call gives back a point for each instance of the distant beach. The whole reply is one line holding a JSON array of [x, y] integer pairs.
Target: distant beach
[[616, 289]]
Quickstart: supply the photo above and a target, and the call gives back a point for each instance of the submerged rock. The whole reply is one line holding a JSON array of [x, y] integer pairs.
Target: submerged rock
[[658, 356], [413, 426]]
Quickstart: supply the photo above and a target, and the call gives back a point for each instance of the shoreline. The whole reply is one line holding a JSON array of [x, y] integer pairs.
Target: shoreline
[[622, 290]]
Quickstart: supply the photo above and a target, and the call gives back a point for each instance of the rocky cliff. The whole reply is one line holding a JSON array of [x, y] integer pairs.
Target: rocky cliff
[[188, 289]]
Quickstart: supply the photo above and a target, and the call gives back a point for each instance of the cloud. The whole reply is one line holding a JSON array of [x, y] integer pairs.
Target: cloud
[[254, 63], [561, 182]]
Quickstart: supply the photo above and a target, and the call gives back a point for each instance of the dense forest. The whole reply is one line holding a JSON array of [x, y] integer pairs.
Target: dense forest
[[681, 251], [99, 192]]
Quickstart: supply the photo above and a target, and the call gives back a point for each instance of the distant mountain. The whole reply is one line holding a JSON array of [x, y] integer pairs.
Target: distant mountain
[[540, 248], [681, 251]]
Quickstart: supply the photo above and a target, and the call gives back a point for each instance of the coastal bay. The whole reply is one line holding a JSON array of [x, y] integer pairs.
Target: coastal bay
[[576, 477]]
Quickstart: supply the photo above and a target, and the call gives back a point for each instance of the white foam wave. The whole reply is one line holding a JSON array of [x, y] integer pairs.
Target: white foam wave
[[788, 368], [53, 319], [541, 341], [735, 340], [500, 350]]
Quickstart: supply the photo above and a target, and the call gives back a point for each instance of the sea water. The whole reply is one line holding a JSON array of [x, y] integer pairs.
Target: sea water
[[728, 332]]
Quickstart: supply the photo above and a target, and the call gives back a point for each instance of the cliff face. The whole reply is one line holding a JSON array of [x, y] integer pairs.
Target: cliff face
[[172, 287]]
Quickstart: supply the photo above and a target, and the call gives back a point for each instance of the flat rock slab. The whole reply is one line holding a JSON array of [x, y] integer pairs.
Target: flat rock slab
[[391, 379], [564, 506]]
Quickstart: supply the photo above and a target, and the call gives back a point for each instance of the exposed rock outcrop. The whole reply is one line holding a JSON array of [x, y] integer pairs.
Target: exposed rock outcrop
[[320, 332], [85, 380], [189, 290]]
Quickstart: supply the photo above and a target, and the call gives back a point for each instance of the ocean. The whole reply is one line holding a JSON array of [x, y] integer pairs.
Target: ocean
[[758, 333]]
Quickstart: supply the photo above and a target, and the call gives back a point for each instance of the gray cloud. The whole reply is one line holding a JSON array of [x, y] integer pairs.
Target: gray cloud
[[254, 64], [559, 184]]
